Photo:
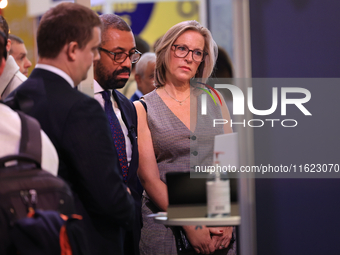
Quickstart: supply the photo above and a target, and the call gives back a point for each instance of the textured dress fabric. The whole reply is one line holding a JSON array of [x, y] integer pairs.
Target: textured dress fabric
[[177, 149]]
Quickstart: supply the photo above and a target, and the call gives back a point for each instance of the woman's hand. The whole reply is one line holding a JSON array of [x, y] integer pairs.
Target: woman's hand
[[200, 239], [222, 239]]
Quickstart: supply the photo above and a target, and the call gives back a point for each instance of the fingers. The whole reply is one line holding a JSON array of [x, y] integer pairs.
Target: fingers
[[206, 249], [224, 244], [217, 241], [216, 231], [220, 242], [211, 248]]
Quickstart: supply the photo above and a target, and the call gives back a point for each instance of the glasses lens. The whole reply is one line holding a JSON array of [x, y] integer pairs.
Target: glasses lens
[[134, 57], [120, 57], [197, 55], [181, 51]]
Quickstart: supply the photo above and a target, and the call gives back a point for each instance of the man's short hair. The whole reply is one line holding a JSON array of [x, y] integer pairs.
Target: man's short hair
[[15, 38], [113, 21], [65, 23], [143, 62], [4, 25]]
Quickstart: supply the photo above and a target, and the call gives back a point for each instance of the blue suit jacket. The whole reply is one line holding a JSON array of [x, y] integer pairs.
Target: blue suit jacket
[[77, 126]]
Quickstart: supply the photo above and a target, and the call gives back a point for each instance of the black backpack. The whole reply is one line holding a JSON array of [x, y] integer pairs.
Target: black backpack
[[25, 187]]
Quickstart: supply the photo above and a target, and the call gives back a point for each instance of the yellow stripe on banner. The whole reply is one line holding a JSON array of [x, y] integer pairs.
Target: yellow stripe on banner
[[167, 14]]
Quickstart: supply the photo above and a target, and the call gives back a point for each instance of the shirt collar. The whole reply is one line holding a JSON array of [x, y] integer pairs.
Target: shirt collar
[[57, 71], [96, 87]]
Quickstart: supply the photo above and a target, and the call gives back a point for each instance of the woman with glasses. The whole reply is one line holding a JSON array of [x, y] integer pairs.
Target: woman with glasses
[[170, 125]]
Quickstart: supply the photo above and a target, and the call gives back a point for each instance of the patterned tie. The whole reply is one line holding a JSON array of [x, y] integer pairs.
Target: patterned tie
[[117, 133]]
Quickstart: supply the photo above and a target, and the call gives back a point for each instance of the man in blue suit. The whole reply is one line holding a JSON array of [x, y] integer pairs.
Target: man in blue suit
[[118, 52], [68, 38]]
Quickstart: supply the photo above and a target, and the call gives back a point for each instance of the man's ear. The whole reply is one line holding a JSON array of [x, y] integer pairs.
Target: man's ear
[[9, 44], [71, 50], [138, 78]]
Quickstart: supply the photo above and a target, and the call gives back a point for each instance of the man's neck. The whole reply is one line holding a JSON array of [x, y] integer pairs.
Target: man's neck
[[58, 64], [51, 67]]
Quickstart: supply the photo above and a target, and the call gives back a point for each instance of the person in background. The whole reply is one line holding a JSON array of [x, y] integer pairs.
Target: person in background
[[145, 75], [118, 52], [10, 127], [131, 85], [68, 38], [19, 52], [223, 67], [12, 76], [171, 128]]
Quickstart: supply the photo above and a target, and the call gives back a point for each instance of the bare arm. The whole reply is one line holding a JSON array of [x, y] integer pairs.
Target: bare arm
[[148, 172]]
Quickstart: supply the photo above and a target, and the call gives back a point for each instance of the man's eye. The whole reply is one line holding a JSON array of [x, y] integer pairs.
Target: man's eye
[[120, 55]]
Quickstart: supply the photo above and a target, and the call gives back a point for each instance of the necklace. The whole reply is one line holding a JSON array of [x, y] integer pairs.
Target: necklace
[[180, 102]]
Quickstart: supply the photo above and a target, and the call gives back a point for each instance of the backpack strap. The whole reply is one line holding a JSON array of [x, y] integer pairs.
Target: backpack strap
[[30, 143]]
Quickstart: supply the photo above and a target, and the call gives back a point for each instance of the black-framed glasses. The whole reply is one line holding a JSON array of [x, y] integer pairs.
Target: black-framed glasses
[[120, 57], [182, 51]]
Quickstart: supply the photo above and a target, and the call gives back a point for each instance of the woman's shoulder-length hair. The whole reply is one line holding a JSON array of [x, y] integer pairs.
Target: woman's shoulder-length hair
[[164, 48]]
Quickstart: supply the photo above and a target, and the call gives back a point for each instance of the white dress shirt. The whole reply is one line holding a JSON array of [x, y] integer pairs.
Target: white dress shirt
[[10, 135], [97, 89]]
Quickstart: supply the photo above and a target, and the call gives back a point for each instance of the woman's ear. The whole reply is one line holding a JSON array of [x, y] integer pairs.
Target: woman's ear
[[71, 50]]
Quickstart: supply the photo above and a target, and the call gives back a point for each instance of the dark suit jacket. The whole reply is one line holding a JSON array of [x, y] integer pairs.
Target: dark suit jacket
[[77, 126], [129, 117]]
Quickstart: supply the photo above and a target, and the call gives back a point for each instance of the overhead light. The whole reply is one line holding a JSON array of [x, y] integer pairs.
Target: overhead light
[[3, 3]]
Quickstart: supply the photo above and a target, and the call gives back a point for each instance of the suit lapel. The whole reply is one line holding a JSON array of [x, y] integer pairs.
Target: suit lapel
[[125, 115]]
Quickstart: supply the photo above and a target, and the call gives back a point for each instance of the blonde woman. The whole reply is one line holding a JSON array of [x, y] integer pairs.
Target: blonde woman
[[170, 127]]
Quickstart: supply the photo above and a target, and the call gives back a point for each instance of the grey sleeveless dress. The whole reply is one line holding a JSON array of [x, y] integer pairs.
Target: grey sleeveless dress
[[176, 149]]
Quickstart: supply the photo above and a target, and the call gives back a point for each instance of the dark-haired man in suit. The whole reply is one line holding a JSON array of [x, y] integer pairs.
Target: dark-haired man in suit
[[118, 52], [68, 38]]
